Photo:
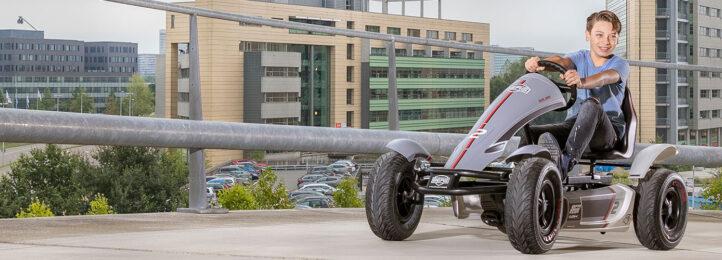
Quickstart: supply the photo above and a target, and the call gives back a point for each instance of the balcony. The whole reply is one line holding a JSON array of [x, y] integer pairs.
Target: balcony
[[663, 56], [662, 11], [662, 34], [662, 122], [662, 78], [662, 99]]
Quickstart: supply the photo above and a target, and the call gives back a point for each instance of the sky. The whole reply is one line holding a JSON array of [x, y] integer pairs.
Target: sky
[[546, 25]]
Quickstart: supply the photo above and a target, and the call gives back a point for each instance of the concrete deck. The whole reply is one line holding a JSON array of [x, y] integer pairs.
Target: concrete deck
[[313, 234]]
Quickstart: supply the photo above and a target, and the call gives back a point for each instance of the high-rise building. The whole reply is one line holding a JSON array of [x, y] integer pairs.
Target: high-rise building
[[30, 64], [262, 74], [687, 104], [501, 62], [146, 64], [161, 41]]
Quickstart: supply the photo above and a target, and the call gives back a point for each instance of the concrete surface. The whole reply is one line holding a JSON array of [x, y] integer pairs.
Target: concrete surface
[[313, 234]]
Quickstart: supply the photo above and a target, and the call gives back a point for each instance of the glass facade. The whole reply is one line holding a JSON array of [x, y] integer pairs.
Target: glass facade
[[315, 84]]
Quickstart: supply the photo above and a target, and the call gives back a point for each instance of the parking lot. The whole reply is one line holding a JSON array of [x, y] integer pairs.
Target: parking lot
[[314, 234]]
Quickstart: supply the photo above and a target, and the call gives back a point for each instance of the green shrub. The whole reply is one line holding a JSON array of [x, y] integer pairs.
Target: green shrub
[[346, 195], [270, 193], [714, 192], [99, 206], [36, 209], [238, 197]]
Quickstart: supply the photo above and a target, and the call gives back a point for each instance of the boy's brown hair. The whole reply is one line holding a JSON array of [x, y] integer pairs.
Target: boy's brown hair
[[607, 16]]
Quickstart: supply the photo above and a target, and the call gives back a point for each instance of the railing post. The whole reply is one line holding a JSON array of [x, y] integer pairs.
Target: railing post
[[673, 88], [393, 116]]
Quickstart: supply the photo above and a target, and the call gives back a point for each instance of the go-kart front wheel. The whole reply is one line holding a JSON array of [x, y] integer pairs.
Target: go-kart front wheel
[[533, 206], [660, 216], [393, 207]]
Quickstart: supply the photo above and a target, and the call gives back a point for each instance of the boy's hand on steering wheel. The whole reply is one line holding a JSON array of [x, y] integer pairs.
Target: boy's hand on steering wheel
[[571, 78], [532, 65]]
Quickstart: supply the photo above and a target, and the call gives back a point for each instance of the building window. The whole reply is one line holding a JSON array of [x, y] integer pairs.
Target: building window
[[704, 93], [310, 21], [393, 30], [715, 113], [419, 53], [350, 25], [715, 93], [183, 97], [704, 114], [281, 72], [467, 37], [378, 51], [172, 21], [470, 55], [430, 34], [349, 51], [413, 32], [349, 96], [184, 73], [373, 28], [349, 118], [450, 36], [349, 73], [282, 97], [349, 4]]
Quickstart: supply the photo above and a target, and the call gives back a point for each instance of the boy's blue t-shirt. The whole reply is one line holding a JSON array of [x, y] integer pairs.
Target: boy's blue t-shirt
[[611, 96]]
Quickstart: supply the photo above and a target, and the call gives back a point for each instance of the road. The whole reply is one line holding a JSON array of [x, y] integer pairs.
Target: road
[[313, 234]]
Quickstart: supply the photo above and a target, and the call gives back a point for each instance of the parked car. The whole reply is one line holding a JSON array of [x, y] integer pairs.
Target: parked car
[[299, 193], [208, 178], [308, 178], [320, 187], [316, 202], [353, 165], [220, 183], [250, 167], [319, 170], [341, 168], [330, 180]]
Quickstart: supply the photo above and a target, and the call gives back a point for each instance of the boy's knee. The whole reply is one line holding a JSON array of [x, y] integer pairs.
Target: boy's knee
[[591, 103]]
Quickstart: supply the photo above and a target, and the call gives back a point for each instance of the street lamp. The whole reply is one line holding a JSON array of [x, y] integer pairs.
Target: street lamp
[[22, 20]]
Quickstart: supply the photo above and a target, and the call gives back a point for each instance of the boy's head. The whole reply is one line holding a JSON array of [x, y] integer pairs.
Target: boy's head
[[603, 29]]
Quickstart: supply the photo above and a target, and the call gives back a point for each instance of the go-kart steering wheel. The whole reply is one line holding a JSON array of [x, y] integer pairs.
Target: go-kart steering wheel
[[564, 88]]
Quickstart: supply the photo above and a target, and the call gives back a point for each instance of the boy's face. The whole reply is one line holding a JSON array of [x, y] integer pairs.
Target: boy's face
[[602, 39]]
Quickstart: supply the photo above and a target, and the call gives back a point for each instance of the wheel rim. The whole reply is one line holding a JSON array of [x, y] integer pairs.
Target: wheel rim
[[671, 209], [405, 197], [546, 207]]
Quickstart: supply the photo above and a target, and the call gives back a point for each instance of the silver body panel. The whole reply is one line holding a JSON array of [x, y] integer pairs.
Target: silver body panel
[[605, 209], [528, 97]]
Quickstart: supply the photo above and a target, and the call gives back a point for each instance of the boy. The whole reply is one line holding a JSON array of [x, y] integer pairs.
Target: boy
[[596, 119]]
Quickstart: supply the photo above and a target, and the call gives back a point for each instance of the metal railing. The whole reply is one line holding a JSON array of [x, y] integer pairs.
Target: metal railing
[[662, 121], [662, 99], [662, 11]]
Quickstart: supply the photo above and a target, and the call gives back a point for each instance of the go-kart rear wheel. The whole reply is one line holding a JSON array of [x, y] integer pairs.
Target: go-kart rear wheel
[[533, 206], [393, 207], [660, 215]]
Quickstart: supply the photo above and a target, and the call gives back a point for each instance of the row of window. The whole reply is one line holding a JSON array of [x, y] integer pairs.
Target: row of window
[[282, 121], [41, 79], [711, 32], [710, 11], [710, 52], [120, 59], [423, 114], [707, 74], [33, 92], [281, 71], [283, 97], [422, 53], [432, 93], [55, 58], [705, 93], [707, 114], [39, 47], [430, 34], [39, 68], [435, 73], [116, 49]]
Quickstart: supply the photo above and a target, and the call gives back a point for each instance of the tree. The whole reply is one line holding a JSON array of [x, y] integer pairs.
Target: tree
[[142, 103], [270, 193], [47, 103], [80, 101], [141, 179], [111, 105], [100, 206], [516, 70], [346, 196], [713, 192], [35, 210], [50, 175], [238, 197]]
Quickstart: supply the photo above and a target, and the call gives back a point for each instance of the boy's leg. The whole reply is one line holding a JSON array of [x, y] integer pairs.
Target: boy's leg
[[560, 131], [592, 128]]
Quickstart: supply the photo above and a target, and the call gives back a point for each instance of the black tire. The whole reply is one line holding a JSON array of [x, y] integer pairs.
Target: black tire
[[531, 226], [660, 214], [393, 208]]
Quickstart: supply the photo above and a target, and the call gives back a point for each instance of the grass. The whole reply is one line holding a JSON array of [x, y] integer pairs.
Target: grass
[[12, 145]]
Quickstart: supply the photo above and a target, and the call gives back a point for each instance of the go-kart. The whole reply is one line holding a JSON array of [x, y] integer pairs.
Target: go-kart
[[520, 190]]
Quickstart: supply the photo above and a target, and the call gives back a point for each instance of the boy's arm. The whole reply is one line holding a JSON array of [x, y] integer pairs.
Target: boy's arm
[[565, 62], [594, 81]]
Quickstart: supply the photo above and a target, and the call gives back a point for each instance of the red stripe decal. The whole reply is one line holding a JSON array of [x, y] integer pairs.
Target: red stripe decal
[[471, 140]]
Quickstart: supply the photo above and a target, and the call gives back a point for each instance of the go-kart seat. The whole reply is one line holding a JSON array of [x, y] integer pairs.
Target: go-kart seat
[[624, 147]]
